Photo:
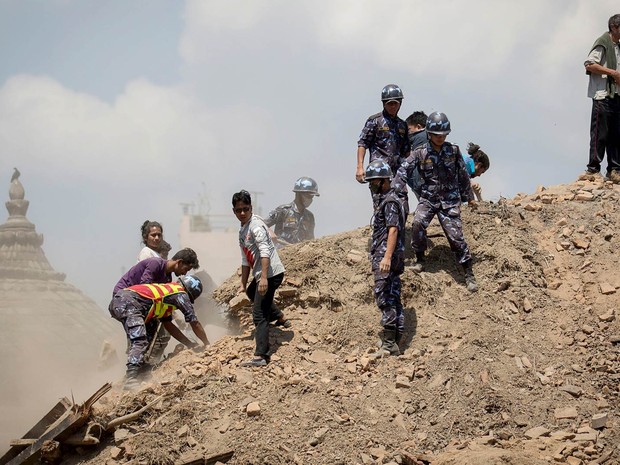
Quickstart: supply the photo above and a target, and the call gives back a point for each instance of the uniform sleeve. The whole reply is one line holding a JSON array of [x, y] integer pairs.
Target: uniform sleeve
[[413, 171], [367, 136], [392, 215], [273, 217], [182, 302], [310, 225], [399, 182], [467, 195], [406, 148]]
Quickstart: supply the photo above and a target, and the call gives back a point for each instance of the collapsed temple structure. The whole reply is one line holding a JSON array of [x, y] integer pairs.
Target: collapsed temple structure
[[51, 334]]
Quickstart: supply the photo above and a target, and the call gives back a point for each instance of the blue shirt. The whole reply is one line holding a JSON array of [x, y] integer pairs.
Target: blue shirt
[[470, 165]]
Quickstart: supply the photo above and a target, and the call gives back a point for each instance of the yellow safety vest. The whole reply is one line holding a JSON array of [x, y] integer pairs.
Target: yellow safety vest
[[157, 292]]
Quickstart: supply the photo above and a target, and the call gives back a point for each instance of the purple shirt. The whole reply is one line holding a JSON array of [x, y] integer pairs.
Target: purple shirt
[[149, 270]]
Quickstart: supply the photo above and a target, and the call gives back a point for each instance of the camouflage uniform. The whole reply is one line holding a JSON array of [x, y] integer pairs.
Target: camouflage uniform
[[291, 225], [445, 184], [400, 182], [386, 139], [131, 309], [389, 212]]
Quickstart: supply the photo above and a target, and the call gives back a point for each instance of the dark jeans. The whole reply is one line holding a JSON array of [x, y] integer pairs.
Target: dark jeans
[[264, 312], [605, 134]]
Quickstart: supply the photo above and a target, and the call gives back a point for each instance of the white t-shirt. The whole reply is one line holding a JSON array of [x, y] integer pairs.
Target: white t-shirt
[[147, 252], [255, 243]]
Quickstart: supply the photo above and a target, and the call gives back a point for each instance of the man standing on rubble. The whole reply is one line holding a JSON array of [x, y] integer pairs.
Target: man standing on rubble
[[445, 184], [603, 67], [138, 307], [293, 222], [387, 254], [384, 135], [259, 254]]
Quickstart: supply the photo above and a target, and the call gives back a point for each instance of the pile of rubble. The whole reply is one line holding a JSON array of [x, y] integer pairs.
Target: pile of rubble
[[526, 371]]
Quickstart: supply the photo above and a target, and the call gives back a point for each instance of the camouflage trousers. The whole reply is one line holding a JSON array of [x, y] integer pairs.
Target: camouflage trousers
[[127, 310], [162, 338], [451, 223], [387, 295]]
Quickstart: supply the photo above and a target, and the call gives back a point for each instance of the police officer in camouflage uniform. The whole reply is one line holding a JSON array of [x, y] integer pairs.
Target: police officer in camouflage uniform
[[293, 222], [384, 135], [445, 184], [387, 254]]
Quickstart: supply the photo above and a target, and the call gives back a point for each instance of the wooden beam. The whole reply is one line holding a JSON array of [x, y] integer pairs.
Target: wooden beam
[[73, 418], [21, 442]]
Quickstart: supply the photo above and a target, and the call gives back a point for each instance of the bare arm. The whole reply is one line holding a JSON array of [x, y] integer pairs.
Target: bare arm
[[359, 173], [262, 284], [602, 70], [386, 262], [199, 331], [178, 334], [245, 274], [477, 190]]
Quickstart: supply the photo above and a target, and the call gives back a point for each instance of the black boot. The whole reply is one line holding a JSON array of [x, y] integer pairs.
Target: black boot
[[388, 344], [419, 264], [470, 279], [132, 378], [399, 338]]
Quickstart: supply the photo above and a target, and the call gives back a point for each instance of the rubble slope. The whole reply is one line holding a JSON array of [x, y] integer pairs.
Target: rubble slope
[[526, 371]]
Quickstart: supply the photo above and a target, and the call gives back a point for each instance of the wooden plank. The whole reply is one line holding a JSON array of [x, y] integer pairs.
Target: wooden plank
[[21, 442], [68, 423], [32, 453], [37, 430]]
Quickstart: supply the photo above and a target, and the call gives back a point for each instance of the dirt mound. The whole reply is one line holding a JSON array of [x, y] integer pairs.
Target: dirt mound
[[526, 371]]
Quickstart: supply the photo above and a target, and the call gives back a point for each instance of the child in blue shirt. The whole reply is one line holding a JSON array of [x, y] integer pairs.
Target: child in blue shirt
[[476, 164]]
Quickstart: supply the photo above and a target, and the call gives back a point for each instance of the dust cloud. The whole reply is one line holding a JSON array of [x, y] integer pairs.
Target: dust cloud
[[42, 370], [42, 373]]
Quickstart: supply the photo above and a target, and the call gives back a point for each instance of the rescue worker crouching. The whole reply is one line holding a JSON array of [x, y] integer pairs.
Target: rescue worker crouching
[[293, 222], [139, 308]]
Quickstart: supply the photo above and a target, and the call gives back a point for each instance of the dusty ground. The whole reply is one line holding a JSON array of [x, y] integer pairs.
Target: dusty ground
[[518, 373]]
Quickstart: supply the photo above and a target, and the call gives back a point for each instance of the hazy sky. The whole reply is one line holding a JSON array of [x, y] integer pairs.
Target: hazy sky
[[119, 111]]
